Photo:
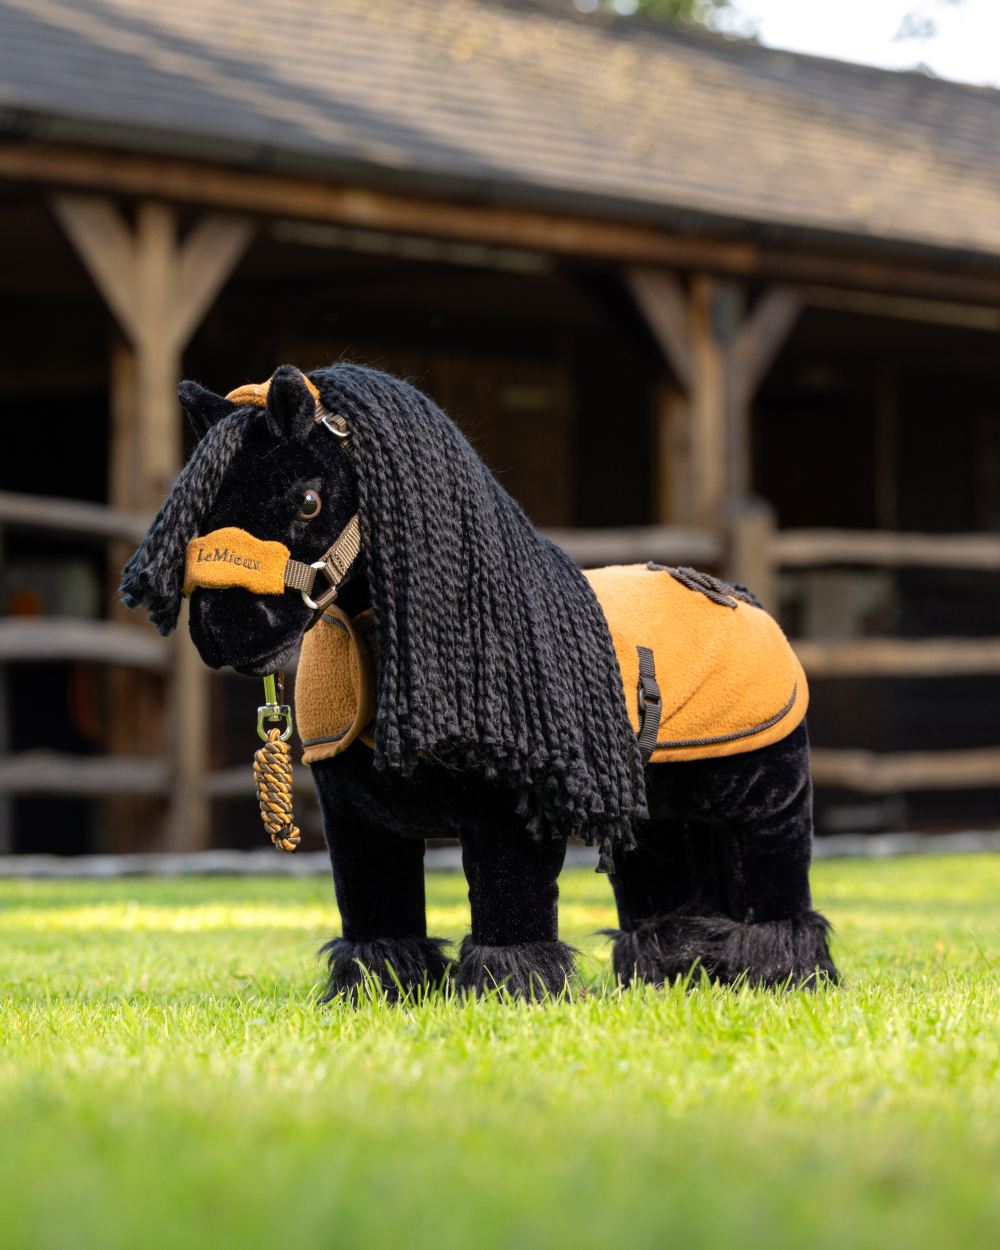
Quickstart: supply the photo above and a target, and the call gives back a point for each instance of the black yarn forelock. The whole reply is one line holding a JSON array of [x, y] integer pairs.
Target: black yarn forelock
[[494, 653], [154, 575]]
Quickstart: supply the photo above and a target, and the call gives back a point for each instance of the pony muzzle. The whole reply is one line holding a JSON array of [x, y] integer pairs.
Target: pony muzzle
[[232, 557]]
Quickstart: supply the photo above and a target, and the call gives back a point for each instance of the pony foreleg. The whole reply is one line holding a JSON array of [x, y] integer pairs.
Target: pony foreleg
[[379, 880], [514, 893]]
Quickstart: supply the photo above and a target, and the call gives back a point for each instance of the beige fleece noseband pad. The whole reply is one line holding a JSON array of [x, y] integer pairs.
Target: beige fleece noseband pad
[[231, 557]]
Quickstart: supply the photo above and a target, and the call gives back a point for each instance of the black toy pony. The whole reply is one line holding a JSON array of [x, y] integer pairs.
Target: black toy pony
[[464, 678]]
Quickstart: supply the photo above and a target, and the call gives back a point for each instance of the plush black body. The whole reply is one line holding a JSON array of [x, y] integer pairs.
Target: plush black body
[[716, 878]]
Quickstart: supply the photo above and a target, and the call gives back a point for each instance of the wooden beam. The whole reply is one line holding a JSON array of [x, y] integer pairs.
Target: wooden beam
[[899, 657], [282, 194], [208, 256], [902, 308], [907, 770], [319, 199], [761, 337], [807, 548], [756, 344], [159, 289], [104, 243], [664, 304]]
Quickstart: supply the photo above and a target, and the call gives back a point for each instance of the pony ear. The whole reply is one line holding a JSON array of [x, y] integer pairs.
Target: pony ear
[[203, 407], [291, 403]]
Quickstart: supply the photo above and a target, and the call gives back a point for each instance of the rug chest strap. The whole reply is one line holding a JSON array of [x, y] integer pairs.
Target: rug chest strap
[[650, 703]]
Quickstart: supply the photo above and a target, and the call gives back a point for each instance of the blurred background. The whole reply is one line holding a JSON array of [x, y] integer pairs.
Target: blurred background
[[697, 292]]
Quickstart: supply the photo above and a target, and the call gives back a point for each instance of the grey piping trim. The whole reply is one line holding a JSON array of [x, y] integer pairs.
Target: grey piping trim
[[318, 742], [734, 737]]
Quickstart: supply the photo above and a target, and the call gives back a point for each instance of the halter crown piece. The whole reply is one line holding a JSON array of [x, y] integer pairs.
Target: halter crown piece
[[232, 557]]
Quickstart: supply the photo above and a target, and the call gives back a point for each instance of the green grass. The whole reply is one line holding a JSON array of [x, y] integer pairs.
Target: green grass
[[166, 1080]]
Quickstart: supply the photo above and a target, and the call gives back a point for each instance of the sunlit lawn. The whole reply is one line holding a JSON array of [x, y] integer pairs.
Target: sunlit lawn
[[166, 1079]]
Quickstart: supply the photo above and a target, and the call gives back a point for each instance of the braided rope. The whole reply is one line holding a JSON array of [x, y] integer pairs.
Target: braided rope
[[272, 774]]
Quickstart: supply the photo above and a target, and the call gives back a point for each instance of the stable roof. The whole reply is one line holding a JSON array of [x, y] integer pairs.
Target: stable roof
[[517, 103]]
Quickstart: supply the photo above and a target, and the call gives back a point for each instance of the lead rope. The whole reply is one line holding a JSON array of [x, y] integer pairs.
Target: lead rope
[[272, 767], [272, 763]]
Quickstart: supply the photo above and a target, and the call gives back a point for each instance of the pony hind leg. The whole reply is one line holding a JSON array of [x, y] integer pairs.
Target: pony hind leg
[[514, 893], [668, 878], [747, 837]]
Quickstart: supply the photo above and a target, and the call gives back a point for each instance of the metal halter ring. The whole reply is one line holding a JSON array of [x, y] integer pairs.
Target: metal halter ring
[[328, 596], [327, 418]]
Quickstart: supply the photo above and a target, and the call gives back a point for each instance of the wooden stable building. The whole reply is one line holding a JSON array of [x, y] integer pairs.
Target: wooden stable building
[[693, 299]]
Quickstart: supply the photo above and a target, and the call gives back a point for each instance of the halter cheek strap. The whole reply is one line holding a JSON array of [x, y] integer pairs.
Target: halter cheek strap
[[334, 564]]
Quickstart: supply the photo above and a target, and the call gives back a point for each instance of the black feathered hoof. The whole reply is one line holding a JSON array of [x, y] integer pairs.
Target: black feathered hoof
[[401, 966], [769, 953], [529, 970]]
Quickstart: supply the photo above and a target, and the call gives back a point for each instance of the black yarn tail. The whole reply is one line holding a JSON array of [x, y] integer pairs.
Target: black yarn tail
[[527, 970], [769, 953], [401, 966]]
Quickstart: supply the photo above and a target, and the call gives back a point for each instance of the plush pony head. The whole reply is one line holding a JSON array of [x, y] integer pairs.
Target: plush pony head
[[262, 467], [493, 653]]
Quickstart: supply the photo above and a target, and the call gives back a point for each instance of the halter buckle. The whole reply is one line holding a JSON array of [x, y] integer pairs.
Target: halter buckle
[[269, 714]]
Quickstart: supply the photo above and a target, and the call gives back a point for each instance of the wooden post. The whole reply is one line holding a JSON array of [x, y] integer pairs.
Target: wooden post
[[665, 306], [187, 725], [719, 356], [714, 321], [158, 288], [671, 481], [752, 551]]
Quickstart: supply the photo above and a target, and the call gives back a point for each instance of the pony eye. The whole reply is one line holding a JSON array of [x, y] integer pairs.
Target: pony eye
[[310, 505]]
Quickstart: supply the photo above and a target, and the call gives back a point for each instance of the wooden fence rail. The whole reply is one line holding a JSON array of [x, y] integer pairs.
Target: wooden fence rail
[[759, 551], [93, 522], [899, 657], [754, 552], [812, 548], [26, 640], [636, 544]]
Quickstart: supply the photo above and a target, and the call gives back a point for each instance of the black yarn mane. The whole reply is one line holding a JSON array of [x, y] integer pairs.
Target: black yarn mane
[[494, 653], [154, 574]]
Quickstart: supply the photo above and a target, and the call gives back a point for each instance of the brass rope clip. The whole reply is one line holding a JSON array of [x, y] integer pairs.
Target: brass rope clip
[[272, 770]]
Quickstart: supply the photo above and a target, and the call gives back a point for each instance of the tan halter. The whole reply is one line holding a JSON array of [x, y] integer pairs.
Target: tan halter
[[232, 557]]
